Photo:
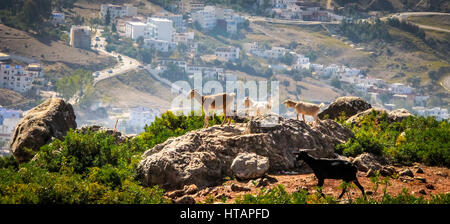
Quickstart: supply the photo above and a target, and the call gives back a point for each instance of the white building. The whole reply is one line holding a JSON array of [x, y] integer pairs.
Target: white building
[[117, 10], [177, 21], [206, 18], [228, 53], [160, 45], [439, 113], [183, 37], [191, 6], [163, 28], [275, 52], [8, 122], [399, 88], [180, 63], [134, 30], [141, 116], [302, 62], [18, 78], [58, 18]]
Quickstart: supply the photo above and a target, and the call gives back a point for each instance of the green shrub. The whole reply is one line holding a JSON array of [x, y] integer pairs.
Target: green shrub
[[415, 139], [8, 162]]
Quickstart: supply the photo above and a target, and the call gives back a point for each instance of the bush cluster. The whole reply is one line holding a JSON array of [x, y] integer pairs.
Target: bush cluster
[[415, 139]]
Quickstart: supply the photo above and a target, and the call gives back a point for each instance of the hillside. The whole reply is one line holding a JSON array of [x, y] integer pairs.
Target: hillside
[[133, 89], [12, 99], [17, 42]]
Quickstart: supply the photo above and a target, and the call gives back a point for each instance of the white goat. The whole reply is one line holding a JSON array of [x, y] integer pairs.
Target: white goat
[[258, 107]]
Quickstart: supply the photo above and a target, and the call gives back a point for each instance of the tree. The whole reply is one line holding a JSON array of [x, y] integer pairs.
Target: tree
[[335, 82], [107, 18], [113, 28], [31, 13], [414, 81]]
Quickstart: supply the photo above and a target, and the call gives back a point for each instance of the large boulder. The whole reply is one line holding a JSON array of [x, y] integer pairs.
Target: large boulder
[[367, 161], [393, 116], [204, 157], [250, 166], [370, 163], [51, 119], [350, 105]]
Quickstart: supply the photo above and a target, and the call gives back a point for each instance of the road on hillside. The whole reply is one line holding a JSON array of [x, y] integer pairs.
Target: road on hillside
[[123, 66], [286, 21], [404, 15]]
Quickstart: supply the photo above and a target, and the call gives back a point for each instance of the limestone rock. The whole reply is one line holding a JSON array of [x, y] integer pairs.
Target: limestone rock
[[393, 116], [49, 120], [249, 166], [367, 161], [350, 105], [204, 157]]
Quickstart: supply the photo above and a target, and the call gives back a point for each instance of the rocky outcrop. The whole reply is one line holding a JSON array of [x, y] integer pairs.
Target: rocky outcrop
[[370, 163], [393, 116], [51, 119], [204, 157], [249, 166], [350, 105]]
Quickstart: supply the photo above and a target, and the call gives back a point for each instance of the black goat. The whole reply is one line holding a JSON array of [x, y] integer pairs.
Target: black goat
[[331, 169]]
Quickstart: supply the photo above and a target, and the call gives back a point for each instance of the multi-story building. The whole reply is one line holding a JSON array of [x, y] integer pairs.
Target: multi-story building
[[439, 113], [228, 53], [180, 63], [400, 88], [160, 45], [191, 6], [18, 78], [141, 116], [8, 122], [183, 37], [121, 24], [162, 28], [206, 18], [117, 10], [80, 37], [134, 30], [177, 21]]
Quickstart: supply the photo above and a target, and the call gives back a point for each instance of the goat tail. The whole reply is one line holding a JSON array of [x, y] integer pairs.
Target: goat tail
[[321, 105]]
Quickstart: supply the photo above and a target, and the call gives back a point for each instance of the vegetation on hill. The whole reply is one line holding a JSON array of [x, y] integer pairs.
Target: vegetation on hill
[[415, 139], [30, 14]]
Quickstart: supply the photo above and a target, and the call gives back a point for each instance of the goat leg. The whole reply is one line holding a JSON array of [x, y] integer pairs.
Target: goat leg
[[320, 184], [343, 191], [360, 187]]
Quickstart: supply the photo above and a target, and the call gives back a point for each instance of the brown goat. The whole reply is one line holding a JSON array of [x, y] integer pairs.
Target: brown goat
[[212, 103], [304, 108]]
